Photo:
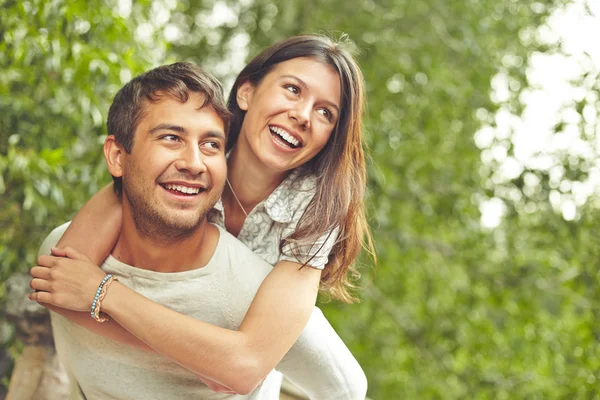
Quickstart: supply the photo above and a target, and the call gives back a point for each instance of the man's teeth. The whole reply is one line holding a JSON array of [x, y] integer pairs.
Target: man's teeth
[[285, 136], [183, 189]]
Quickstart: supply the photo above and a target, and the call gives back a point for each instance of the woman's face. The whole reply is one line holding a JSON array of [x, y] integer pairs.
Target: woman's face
[[290, 114]]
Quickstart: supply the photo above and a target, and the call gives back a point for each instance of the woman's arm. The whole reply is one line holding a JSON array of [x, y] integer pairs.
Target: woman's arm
[[109, 329], [239, 360], [116, 332], [319, 362], [95, 229]]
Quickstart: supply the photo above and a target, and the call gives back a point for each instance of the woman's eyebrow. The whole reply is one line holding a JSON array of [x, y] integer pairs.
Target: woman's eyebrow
[[303, 84]]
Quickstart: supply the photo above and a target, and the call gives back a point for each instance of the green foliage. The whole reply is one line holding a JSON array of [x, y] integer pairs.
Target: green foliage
[[60, 64], [452, 310]]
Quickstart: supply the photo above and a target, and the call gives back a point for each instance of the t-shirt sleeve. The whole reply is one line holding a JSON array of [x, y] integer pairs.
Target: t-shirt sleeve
[[321, 365], [52, 239], [315, 254]]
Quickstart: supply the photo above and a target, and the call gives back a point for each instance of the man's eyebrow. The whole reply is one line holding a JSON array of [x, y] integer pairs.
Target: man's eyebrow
[[168, 127], [180, 129], [302, 83], [215, 134]]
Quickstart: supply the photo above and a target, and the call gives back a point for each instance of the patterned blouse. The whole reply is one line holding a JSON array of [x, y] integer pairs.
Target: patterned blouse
[[276, 218]]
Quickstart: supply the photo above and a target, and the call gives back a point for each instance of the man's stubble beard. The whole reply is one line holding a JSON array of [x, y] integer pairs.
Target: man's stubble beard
[[152, 223]]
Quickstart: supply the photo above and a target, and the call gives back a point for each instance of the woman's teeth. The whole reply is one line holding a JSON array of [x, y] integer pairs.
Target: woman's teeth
[[285, 136]]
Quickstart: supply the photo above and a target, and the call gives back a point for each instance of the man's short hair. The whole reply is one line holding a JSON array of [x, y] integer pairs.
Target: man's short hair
[[177, 80]]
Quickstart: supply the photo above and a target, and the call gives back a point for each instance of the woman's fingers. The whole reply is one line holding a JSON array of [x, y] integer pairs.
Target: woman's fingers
[[40, 272], [41, 297], [71, 282], [40, 284], [69, 252], [48, 261], [58, 251]]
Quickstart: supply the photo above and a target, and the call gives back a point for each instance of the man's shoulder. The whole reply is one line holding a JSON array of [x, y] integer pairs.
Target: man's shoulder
[[230, 242], [53, 238], [236, 250]]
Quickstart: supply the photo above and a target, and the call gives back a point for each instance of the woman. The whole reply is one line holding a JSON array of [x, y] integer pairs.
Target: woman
[[294, 196]]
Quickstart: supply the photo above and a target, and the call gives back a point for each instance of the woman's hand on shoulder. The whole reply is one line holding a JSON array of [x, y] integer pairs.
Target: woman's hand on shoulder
[[66, 279]]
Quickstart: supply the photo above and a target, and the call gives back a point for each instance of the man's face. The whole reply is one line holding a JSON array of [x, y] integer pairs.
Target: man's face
[[176, 169]]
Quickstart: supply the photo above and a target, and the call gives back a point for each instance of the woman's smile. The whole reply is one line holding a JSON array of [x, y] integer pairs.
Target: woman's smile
[[290, 139], [290, 114]]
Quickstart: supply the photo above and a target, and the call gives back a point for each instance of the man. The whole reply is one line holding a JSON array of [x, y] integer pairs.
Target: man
[[171, 177]]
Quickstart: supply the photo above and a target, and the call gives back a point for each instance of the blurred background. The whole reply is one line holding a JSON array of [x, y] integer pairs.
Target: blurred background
[[484, 169]]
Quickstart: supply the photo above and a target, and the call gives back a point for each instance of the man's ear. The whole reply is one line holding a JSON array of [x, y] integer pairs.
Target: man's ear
[[113, 153], [244, 94]]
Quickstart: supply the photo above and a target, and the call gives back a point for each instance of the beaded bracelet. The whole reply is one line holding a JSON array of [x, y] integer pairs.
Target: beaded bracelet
[[100, 293]]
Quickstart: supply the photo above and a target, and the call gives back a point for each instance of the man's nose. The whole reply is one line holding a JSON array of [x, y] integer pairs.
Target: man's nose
[[301, 113], [191, 160]]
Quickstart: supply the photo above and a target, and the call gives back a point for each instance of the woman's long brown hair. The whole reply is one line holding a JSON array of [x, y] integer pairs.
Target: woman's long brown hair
[[340, 167]]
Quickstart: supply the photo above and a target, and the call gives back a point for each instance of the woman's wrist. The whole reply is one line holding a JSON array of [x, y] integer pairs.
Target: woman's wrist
[[114, 292], [96, 310]]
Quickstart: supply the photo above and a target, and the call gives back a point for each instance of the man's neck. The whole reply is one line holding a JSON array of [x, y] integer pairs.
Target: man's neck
[[155, 254]]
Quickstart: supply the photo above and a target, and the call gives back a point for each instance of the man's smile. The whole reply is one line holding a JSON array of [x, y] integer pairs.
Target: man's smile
[[184, 189], [182, 193]]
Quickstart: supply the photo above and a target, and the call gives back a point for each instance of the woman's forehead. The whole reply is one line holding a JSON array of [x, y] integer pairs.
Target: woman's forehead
[[303, 65], [314, 74]]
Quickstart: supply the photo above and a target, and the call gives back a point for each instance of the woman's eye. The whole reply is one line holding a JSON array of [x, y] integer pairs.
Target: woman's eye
[[293, 88], [326, 113]]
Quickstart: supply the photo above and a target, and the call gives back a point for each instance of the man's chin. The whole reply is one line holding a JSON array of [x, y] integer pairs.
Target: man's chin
[[171, 226], [187, 223]]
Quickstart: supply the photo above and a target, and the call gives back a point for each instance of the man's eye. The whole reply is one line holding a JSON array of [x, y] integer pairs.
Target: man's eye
[[293, 88], [213, 145], [170, 138]]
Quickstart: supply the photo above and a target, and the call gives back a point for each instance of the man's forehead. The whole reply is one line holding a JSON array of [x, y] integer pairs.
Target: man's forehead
[[166, 106], [160, 97]]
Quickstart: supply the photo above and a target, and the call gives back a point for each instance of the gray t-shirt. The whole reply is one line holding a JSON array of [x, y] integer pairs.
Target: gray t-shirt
[[219, 293]]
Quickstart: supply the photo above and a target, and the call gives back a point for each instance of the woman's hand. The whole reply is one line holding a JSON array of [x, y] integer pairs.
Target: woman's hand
[[66, 279]]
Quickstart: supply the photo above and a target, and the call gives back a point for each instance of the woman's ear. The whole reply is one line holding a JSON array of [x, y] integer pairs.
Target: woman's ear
[[244, 94], [113, 153]]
